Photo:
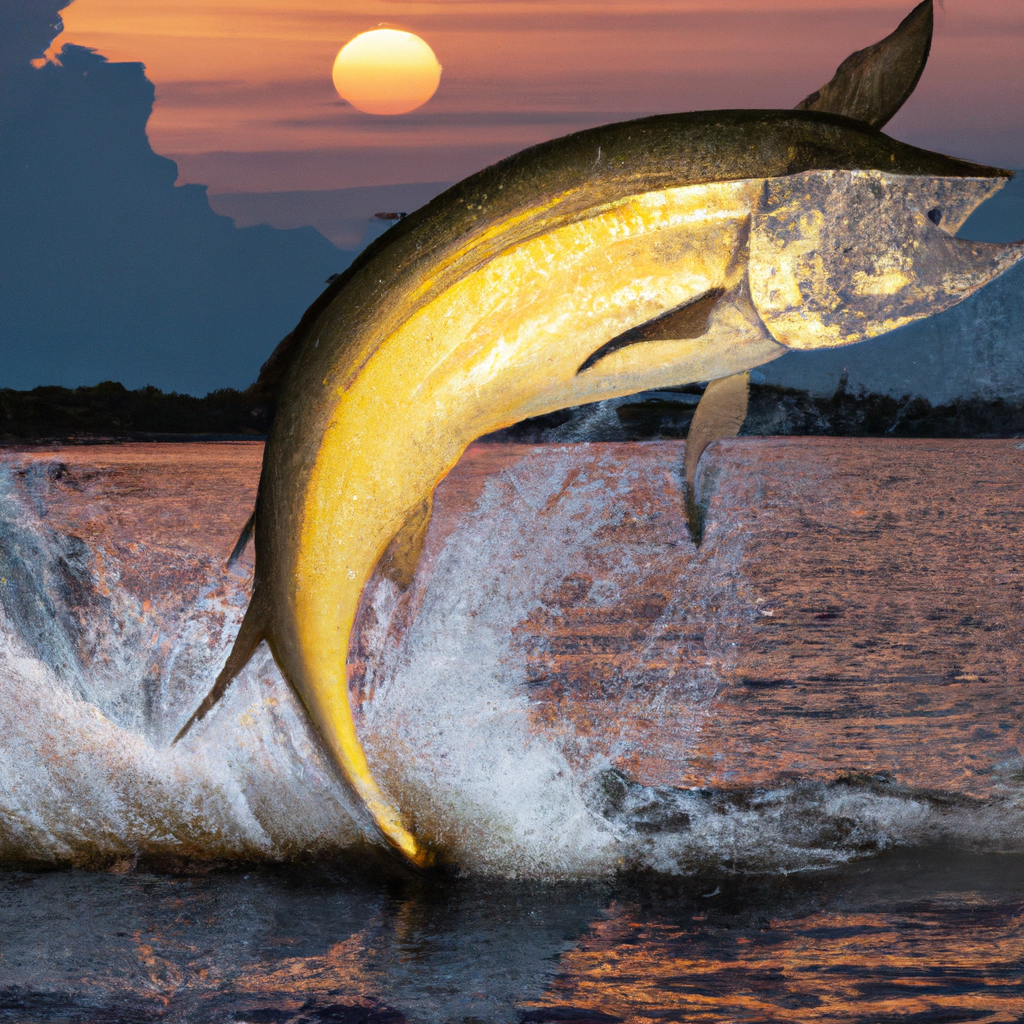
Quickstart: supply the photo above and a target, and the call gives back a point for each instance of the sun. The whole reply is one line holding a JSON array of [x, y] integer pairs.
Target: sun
[[386, 71]]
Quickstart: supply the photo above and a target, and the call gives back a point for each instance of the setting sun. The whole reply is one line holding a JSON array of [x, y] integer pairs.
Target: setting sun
[[386, 71]]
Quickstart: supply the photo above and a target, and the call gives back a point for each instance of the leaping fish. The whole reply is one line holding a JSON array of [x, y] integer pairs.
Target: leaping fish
[[657, 252]]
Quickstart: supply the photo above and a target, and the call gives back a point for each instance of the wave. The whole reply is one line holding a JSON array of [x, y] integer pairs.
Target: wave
[[475, 691]]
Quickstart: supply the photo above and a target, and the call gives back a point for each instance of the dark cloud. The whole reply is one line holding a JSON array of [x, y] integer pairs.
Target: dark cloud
[[342, 214], [107, 270], [27, 28]]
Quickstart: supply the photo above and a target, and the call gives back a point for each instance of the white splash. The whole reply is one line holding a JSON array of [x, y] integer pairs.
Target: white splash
[[92, 690]]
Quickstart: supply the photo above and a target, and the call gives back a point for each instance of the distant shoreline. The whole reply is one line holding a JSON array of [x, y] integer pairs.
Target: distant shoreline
[[109, 413]]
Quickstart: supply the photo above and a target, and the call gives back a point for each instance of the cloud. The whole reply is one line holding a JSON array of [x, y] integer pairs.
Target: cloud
[[26, 29], [107, 270], [343, 215]]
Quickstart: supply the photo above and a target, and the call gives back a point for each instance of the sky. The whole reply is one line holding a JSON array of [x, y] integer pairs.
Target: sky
[[245, 103], [108, 271]]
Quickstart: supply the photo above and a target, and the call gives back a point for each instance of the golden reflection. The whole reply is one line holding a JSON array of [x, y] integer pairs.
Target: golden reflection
[[840, 967], [340, 968], [176, 970]]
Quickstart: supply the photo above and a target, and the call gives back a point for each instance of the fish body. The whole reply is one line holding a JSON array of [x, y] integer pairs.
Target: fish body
[[658, 252], [672, 249]]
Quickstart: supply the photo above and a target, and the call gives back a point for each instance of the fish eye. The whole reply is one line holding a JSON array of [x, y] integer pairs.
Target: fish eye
[[935, 215], [688, 320]]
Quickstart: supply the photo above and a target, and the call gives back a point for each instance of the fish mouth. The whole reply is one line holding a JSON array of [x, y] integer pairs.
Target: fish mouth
[[687, 321]]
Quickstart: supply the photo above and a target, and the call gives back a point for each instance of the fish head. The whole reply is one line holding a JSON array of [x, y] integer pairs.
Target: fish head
[[818, 259], [838, 256]]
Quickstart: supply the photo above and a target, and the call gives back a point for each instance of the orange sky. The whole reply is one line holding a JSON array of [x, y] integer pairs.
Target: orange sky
[[245, 100]]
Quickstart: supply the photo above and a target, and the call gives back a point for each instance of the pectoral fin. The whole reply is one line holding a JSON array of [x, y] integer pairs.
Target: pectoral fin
[[399, 560], [690, 320], [873, 83], [720, 413]]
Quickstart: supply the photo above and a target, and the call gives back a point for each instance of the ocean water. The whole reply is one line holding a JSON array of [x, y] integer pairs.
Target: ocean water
[[922, 936], [778, 777]]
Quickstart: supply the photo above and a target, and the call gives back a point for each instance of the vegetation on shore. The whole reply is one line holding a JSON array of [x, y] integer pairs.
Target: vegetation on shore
[[109, 411], [778, 411]]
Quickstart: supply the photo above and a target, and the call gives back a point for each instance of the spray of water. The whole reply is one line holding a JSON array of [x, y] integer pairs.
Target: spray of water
[[505, 771]]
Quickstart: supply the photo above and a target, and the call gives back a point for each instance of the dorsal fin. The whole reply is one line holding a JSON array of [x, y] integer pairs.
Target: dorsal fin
[[873, 83], [720, 413]]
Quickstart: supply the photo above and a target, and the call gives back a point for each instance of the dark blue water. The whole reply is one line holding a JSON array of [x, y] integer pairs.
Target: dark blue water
[[913, 936]]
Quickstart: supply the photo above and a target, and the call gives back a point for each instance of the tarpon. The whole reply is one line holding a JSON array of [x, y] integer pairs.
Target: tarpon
[[673, 249]]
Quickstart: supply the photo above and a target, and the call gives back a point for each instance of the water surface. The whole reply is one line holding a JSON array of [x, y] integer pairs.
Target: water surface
[[776, 778], [914, 936]]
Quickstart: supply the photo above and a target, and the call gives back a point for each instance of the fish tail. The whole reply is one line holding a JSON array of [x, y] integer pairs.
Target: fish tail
[[250, 634]]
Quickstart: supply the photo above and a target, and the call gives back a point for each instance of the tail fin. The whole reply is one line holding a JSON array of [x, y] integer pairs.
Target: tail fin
[[250, 634]]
